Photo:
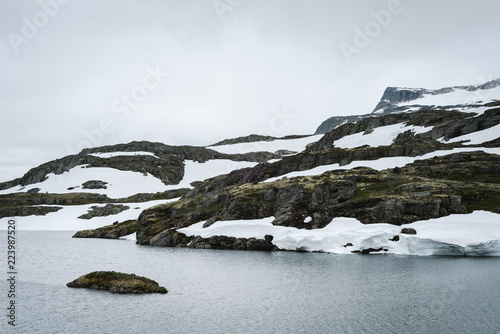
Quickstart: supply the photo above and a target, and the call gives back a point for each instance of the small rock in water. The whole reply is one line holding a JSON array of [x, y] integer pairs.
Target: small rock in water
[[116, 282]]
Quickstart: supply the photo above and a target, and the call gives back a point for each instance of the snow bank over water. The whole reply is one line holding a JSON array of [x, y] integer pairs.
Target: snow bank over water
[[474, 234]]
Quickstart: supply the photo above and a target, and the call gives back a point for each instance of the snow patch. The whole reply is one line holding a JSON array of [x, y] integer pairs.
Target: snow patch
[[477, 137], [456, 97], [381, 136], [295, 145], [127, 183], [118, 154], [119, 183], [383, 163], [200, 171]]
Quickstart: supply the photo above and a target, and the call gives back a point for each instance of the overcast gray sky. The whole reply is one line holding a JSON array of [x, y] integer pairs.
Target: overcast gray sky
[[79, 73]]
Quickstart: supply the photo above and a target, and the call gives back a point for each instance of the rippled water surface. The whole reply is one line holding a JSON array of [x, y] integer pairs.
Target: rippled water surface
[[248, 292]]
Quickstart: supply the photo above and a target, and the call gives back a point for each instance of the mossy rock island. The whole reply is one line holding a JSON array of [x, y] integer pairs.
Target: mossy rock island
[[117, 283]]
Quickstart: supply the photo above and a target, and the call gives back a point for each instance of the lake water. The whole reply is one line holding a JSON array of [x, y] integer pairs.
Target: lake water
[[247, 292]]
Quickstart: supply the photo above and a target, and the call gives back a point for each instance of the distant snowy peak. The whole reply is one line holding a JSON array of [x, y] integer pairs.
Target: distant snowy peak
[[398, 99], [402, 99]]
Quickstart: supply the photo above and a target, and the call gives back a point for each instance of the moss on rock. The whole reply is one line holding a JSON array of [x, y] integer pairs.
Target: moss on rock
[[117, 282]]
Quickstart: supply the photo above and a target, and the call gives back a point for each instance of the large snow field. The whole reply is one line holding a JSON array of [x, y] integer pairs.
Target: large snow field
[[296, 145], [66, 218], [383, 163], [381, 136], [127, 183], [477, 233], [120, 183]]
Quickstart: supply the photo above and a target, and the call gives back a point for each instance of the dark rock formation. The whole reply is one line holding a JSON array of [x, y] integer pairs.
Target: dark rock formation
[[336, 121], [34, 191], [253, 138], [117, 283], [23, 211], [408, 230], [94, 184], [115, 231], [369, 250], [224, 242], [103, 211]]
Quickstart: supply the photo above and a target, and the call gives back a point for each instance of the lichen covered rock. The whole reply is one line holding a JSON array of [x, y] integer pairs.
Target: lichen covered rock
[[116, 282]]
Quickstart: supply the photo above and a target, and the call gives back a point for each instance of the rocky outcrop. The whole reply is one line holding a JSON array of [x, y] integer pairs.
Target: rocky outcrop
[[444, 122], [410, 231], [168, 168], [253, 138], [336, 121], [289, 201], [394, 95], [23, 211], [103, 211], [426, 189], [224, 242], [172, 238], [114, 231], [116, 282], [94, 184]]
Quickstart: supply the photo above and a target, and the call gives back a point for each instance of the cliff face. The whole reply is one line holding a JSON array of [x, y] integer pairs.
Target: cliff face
[[336, 121], [395, 95]]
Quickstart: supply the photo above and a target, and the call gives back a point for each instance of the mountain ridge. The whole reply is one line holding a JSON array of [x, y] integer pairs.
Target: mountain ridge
[[384, 169]]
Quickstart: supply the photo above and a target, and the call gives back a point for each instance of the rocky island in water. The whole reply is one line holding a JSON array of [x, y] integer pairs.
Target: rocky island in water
[[115, 282]]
